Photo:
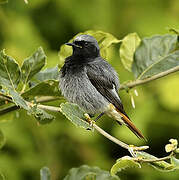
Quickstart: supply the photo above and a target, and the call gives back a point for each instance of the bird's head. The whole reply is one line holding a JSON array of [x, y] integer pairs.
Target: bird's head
[[85, 46]]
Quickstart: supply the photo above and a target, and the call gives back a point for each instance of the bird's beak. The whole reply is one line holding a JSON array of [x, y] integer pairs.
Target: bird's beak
[[70, 44], [73, 45]]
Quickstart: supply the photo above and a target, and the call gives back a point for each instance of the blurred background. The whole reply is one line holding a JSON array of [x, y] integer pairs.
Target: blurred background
[[60, 145]]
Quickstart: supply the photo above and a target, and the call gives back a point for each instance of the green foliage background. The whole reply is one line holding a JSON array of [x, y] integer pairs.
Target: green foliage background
[[60, 145]]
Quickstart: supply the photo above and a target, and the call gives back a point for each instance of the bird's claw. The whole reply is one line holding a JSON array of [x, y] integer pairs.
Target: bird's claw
[[89, 120]]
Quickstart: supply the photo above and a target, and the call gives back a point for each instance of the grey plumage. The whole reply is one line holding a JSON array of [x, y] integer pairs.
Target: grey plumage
[[77, 86], [91, 82]]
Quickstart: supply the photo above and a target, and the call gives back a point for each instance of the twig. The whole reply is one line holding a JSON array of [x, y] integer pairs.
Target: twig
[[143, 81], [9, 109], [50, 108], [43, 99], [115, 140], [14, 107], [130, 148], [154, 160], [4, 98]]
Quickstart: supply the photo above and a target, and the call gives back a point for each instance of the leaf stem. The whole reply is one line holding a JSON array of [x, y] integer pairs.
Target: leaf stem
[[50, 108], [23, 89], [143, 81], [154, 160]]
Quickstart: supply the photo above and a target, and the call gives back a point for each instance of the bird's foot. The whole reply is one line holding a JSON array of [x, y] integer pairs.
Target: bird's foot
[[89, 120]]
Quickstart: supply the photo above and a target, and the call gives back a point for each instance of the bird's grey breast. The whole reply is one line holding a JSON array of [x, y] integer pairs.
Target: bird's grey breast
[[77, 88]]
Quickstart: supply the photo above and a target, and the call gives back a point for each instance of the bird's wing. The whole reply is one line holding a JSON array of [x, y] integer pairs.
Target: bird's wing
[[105, 83]]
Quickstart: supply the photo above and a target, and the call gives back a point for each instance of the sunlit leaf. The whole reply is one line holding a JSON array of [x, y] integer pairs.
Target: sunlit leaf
[[26, 1], [45, 174], [48, 74], [32, 65], [42, 116], [64, 52], [123, 163], [18, 99], [2, 139], [177, 150], [155, 55], [46, 88], [175, 162], [127, 49], [74, 114], [105, 40], [89, 173], [9, 71]]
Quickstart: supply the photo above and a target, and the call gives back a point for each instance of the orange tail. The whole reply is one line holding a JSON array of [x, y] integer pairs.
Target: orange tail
[[131, 126]]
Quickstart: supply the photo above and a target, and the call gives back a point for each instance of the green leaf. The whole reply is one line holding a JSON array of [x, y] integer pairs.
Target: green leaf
[[159, 165], [2, 176], [74, 114], [64, 52], [175, 162], [42, 116], [89, 173], [105, 40], [48, 74], [155, 55], [9, 71], [123, 163], [45, 173], [127, 49], [18, 99], [46, 88], [3, 1], [33, 65], [2, 139]]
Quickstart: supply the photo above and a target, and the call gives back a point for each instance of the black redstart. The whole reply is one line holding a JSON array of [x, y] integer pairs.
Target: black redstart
[[89, 81]]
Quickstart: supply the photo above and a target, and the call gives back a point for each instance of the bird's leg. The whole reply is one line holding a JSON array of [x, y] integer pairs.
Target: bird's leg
[[99, 116], [89, 120]]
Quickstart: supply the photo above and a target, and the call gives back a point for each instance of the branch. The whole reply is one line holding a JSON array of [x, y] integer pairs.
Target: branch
[[14, 107], [9, 109], [143, 81], [154, 160], [130, 148], [49, 108]]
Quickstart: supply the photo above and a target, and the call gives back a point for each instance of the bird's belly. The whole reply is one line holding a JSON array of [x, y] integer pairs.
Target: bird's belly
[[79, 90]]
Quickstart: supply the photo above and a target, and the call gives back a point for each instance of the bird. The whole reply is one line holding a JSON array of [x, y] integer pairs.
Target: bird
[[89, 81]]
